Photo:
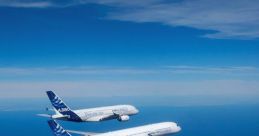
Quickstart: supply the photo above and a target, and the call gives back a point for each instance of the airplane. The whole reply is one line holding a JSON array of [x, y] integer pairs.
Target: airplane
[[63, 112], [158, 129]]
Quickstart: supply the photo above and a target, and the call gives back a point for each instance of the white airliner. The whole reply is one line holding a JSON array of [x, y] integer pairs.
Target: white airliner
[[63, 112], [158, 129]]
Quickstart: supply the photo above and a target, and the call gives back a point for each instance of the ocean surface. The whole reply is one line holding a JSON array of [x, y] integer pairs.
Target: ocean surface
[[223, 120]]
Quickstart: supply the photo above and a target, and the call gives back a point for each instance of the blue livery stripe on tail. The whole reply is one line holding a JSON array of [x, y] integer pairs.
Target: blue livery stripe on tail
[[61, 107], [57, 103]]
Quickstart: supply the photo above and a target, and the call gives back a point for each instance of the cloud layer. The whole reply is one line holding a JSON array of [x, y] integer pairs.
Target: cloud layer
[[228, 19], [162, 82], [26, 3], [138, 88], [134, 81], [84, 70]]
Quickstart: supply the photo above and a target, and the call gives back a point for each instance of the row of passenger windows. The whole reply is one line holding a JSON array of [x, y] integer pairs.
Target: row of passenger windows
[[101, 113], [158, 131]]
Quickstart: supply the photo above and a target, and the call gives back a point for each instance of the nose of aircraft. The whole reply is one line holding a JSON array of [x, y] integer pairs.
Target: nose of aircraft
[[136, 110], [178, 129]]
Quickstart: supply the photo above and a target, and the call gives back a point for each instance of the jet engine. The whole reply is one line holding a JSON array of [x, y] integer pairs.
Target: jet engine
[[123, 118]]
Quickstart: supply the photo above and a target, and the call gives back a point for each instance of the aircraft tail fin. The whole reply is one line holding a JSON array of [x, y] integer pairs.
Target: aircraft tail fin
[[61, 107], [57, 103], [56, 129]]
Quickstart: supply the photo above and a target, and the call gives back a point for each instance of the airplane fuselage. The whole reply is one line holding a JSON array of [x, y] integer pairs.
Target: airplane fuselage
[[63, 112], [158, 129], [120, 112]]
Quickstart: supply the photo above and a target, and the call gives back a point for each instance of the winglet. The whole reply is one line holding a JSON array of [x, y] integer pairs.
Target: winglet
[[56, 129]]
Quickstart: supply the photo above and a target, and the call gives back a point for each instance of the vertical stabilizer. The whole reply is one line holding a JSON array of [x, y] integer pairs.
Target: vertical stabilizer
[[61, 107], [56, 129]]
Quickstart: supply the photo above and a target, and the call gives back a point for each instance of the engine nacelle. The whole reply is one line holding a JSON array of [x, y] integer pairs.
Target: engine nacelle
[[123, 118]]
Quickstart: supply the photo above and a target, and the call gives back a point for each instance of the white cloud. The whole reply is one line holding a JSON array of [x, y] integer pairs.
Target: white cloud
[[127, 73], [124, 3], [228, 19], [203, 91], [73, 71], [243, 70], [26, 3], [137, 86], [84, 70], [88, 88]]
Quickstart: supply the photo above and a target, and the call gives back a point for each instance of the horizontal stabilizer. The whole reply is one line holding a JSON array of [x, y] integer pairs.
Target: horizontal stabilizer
[[44, 115]]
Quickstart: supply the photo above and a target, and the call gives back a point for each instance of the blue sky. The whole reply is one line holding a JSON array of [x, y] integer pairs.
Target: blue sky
[[137, 48]]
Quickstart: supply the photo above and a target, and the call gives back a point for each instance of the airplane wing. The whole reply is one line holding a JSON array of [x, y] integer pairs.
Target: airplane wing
[[142, 135], [117, 112], [82, 133]]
